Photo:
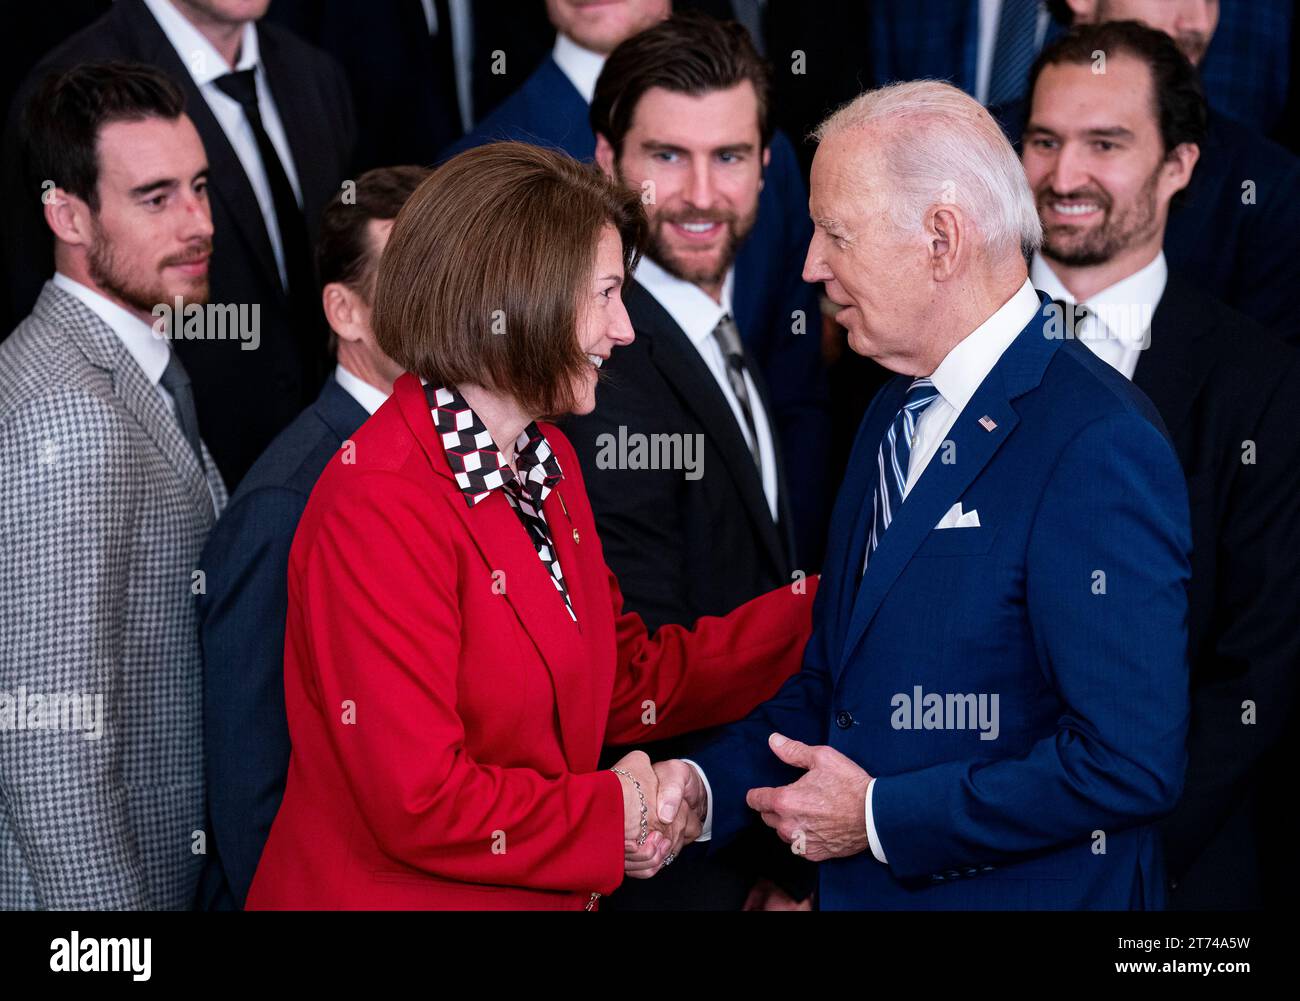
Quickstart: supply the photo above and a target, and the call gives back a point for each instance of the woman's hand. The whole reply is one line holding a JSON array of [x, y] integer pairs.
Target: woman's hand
[[640, 806]]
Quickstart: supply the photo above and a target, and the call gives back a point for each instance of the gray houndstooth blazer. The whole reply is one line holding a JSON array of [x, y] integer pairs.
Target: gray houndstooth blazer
[[105, 512]]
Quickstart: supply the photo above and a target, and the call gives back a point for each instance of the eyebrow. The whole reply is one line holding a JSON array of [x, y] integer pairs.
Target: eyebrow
[[616, 279], [164, 184], [1108, 132], [651, 146]]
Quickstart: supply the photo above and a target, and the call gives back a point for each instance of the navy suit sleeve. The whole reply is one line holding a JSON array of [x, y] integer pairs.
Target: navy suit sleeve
[[241, 622], [1116, 505], [739, 759]]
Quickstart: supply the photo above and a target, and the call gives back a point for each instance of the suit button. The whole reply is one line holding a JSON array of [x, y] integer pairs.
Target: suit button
[[844, 719], [972, 872], [953, 874]]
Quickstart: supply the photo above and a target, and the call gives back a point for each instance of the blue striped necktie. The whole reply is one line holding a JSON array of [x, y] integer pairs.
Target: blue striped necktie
[[1014, 51], [891, 461]]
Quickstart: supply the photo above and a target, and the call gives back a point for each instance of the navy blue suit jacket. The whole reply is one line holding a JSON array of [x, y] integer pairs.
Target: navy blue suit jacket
[[769, 290], [241, 622], [1077, 479]]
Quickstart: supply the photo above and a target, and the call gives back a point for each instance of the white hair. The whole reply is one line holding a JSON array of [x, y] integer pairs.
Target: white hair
[[942, 146]]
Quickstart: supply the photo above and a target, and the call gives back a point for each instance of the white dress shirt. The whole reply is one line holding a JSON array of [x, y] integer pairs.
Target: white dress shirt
[[370, 397], [697, 314], [582, 66], [956, 378], [990, 12], [147, 349], [1117, 328], [206, 65]]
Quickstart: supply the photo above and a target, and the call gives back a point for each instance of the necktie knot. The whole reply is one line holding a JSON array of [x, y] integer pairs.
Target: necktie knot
[[920, 394], [242, 86], [174, 376], [727, 335]]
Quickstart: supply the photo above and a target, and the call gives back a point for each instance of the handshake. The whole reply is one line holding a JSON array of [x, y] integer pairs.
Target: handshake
[[664, 808]]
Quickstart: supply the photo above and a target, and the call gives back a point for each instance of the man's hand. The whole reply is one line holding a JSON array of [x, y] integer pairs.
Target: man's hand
[[670, 828], [822, 815], [680, 784]]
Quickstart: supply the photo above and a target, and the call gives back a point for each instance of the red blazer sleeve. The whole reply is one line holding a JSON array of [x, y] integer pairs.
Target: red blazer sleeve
[[712, 674], [376, 588]]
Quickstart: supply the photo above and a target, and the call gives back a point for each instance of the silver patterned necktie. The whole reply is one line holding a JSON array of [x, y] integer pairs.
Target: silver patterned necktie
[[728, 337]]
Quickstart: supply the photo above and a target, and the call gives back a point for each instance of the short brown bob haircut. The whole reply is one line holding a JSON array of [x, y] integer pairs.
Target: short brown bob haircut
[[487, 266]]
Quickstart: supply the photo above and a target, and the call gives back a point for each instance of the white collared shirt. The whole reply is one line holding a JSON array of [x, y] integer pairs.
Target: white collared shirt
[[956, 378], [1118, 326], [370, 397], [205, 65], [581, 65], [149, 351], [697, 314]]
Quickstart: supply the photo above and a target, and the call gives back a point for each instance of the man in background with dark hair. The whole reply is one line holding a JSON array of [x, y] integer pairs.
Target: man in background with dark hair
[[776, 312], [242, 612], [275, 116], [1105, 153], [1243, 203], [108, 494]]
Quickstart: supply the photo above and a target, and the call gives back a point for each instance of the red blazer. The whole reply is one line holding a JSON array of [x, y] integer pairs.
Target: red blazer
[[446, 714]]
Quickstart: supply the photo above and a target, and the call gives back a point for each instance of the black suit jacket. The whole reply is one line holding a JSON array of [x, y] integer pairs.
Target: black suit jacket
[[680, 548], [1222, 383], [243, 397], [241, 623]]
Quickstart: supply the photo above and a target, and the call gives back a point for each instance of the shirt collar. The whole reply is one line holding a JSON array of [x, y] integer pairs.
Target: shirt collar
[[150, 351], [1114, 304], [477, 463], [581, 65], [972, 359], [199, 55], [370, 397], [690, 306]]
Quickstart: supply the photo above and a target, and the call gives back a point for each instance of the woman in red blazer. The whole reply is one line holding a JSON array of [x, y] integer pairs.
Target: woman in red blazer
[[456, 653]]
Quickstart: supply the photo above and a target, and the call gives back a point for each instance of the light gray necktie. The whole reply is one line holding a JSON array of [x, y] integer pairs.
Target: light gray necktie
[[728, 337], [177, 382]]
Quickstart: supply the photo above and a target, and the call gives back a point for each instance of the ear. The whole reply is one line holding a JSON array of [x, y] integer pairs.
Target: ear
[[605, 155], [945, 239], [1084, 11], [1179, 164], [68, 217], [341, 306]]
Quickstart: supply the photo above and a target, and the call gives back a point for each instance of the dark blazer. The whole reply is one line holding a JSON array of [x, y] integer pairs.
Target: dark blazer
[[1231, 249], [549, 111], [681, 548], [243, 397], [241, 625], [1070, 473], [1219, 381]]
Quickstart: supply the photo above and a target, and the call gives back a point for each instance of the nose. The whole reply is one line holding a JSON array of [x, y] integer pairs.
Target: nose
[[620, 328], [197, 218], [700, 190], [814, 264], [1069, 170]]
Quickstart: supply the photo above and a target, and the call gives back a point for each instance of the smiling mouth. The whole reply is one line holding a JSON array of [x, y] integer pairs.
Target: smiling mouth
[[596, 360], [1074, 209]]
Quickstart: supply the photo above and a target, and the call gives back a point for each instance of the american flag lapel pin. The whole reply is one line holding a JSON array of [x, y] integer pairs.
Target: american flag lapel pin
[[988, 423]]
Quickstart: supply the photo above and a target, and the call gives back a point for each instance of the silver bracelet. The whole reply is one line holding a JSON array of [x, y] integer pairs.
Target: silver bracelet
[[645, 825]]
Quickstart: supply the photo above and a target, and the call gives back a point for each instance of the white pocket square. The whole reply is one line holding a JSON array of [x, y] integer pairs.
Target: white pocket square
[[956, 518]]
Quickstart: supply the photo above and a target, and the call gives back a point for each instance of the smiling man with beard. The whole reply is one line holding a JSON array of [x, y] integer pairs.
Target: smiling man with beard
[[108, 494], [681, 115], [1105, 154]]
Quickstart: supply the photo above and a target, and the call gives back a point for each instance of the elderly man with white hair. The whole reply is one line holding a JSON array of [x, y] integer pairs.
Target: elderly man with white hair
[[992, 709]]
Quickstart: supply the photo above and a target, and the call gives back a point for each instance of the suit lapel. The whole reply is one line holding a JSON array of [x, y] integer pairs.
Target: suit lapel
[[681, 365], [942, 484], [505, 546], [1171, 370], [104, 349]]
